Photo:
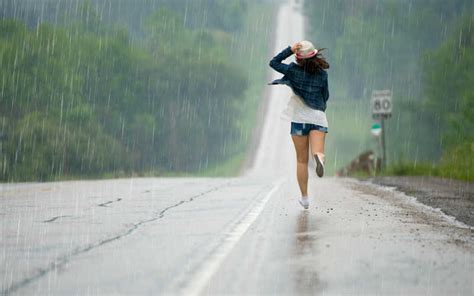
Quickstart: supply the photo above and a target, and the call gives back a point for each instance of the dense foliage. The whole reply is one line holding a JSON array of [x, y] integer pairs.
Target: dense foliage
[[79, 98], [423, 51], [448, 82]]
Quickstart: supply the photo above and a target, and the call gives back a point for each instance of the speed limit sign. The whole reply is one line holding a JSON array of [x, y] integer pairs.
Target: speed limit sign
[[381, 103]]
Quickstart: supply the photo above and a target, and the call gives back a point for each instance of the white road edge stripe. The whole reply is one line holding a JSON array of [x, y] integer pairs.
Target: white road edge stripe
[[210, 267]]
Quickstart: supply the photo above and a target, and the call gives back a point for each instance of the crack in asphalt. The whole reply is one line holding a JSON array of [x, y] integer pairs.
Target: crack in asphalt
[[55, 218], [63, 260], [105, 204]]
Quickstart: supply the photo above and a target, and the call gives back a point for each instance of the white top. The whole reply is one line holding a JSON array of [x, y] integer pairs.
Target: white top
[[298, 111]]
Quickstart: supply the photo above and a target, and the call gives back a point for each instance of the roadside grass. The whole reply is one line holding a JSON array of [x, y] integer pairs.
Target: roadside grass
[[229, 168], [420, 169], [403, 168], [456, 163], [407, 168]]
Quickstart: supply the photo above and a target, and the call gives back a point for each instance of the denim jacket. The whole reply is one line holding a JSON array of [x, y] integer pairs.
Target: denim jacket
[[312, 88]]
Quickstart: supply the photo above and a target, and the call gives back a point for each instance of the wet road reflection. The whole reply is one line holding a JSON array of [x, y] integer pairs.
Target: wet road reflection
[[303, 239], [306, 279]]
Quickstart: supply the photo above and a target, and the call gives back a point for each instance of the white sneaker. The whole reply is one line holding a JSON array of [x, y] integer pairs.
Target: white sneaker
[[319, 166], [304, 202]]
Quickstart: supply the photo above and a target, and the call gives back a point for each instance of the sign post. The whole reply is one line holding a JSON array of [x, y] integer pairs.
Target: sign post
[[3, 160], [381, 110]]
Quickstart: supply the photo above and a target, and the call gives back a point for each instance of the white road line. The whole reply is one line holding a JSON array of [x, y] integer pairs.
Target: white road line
[[214, 261]]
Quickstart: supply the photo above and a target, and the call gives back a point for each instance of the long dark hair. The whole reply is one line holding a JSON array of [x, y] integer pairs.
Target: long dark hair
[[315, 64]]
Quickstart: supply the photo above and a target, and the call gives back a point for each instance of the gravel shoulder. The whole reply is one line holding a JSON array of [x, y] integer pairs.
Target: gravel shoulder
[[453, 197]]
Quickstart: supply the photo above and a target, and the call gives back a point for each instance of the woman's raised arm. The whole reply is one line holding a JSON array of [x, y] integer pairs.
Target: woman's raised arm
[[276, 62]]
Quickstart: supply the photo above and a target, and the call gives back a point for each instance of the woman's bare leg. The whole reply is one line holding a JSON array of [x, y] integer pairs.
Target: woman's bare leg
[[302, 148], [316, 138]]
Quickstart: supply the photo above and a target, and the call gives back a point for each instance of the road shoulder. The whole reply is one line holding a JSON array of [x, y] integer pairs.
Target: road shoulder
[[454, 198]]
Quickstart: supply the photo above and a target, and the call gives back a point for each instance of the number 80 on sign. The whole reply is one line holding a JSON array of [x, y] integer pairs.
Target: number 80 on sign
[[381, 103]]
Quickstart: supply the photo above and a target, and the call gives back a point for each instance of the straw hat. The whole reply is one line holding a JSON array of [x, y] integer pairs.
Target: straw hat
[[306, 51]]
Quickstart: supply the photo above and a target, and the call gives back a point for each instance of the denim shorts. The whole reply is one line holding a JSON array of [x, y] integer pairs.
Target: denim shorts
[[303, 129]]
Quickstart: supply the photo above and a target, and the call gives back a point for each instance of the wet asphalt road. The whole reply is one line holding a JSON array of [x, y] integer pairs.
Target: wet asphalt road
[[227, 236], [245, 235]]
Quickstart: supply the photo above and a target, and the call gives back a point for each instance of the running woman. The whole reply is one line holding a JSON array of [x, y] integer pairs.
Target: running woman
[[309, 82]]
